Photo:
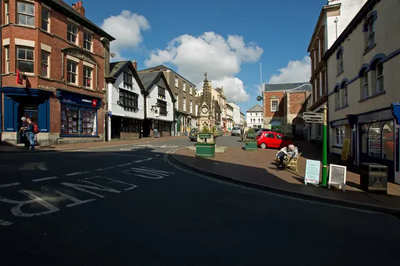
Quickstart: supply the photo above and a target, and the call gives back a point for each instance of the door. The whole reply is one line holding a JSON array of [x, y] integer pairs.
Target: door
[[270, 140], [363, 143], [28, 111]]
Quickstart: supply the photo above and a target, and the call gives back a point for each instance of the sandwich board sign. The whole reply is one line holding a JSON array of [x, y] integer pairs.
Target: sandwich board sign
[[337, 176], [313, 168]]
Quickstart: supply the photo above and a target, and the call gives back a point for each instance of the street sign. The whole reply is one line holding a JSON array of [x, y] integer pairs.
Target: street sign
[[311, 118], [313, 169]]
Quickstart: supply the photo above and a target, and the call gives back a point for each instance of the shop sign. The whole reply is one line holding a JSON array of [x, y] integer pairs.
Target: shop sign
[[77, 99], [313, 168], [337, 176], [345, 150]]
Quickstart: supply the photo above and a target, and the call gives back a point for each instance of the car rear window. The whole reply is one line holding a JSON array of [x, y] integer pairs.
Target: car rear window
[[236, 128]]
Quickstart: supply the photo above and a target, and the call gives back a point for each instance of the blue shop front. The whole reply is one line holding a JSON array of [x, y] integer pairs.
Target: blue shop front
[[79, 115], [395, 107], [23, 102]]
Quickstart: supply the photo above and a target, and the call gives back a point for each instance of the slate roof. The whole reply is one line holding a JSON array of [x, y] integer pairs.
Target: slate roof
[[165, 68], [255, 108], [149, 79], [71, 12], [301, 86], [117, 67]]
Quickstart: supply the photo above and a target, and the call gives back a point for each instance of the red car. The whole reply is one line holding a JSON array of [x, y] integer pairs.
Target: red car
[[270, 139]]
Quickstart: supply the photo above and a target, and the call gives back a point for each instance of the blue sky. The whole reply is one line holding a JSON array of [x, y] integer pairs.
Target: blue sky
[[275, 33]]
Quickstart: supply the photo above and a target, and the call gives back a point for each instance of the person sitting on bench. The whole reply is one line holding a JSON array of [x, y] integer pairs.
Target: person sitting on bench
[[291, 151]]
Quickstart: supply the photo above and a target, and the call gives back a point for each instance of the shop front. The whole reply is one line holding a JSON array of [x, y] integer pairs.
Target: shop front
[[79, 115], [163, 127], [395, 108], [125, 128], [24, 102]]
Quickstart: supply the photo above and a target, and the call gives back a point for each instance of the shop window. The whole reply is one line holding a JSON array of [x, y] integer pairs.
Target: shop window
[[339, 136], [87, 77], [163, 107], [7, 59], [130, 125], [87, 41], [129, 100], [72, 33], [78, 121], [374, 140], [26, 13], [379, 77], [25, 61], [45, 64], [388, 144], [128, 80], [45, 25], [72, 71]]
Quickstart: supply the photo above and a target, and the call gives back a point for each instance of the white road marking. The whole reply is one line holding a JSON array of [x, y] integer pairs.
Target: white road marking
[[5, 223], [123, 165], [93, 186], [147, 173], [104, 169], [77, 173], [73, 199], [10, 185], [131, 186], [157, 155], [44, 179], [133, 155], [145, 160]]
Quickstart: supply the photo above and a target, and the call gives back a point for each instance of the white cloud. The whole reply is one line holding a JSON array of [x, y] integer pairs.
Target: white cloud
[[210, 53], [295, 71], [127, 29]]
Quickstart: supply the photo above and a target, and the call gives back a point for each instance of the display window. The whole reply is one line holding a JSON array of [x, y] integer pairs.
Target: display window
[[78, 121]]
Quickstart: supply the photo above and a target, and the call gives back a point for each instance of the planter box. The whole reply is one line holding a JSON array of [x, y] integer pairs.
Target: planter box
[[251, 146], [205, 150], [205, 135], [251, 135]]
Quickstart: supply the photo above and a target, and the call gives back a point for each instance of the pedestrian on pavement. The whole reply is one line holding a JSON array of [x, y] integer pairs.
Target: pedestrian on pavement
[[24, 133], [30, 133], [290, 151]]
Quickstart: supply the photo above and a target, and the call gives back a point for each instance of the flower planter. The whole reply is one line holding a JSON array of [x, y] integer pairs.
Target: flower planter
[[205, 135], [205, 150], [251, 145]]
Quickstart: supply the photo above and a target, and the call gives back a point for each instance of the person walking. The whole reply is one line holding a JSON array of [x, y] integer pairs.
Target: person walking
[[31, 133], [24, 133]]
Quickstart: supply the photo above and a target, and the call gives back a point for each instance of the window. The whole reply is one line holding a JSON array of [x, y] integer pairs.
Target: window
[[365, 85], [25, 61], [379, 77], [7, 59], [176, 81], [191, 106], [163, 107], [177, 100], [45, 64], [26, 13], [87, 41], [274, 105], [339, 136], [72, 71], [45, 25], [184, 104], [78, 120], [128, 80], [388, 141], [338, 100], [340, 61], [374, 140], [130, 125], [370, 30], [87, 77], [129, 100], [161, 92], [184, 87], [270, 135], [6, 13], [191, 90], [72, 33]]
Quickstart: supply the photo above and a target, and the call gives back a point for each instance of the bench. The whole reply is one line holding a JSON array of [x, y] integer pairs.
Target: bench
[[290, 162]]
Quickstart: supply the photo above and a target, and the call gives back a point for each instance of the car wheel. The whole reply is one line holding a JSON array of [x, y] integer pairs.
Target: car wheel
[[263, 146]]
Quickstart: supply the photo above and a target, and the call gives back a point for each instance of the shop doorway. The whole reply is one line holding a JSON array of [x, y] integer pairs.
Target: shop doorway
[[115, 127], [27, 110]]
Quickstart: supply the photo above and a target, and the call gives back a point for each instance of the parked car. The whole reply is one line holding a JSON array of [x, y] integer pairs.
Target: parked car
[[218, 132], [235, 131], [258, 131], [193, 134], [270, 139]]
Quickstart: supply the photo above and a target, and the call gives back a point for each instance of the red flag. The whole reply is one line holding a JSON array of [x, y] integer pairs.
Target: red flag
[[19, 77]]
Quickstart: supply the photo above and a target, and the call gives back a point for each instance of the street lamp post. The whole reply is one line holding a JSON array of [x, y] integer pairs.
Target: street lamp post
[[324, 147]]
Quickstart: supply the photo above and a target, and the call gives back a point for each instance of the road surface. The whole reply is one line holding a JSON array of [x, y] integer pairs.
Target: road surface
[[133, 205]]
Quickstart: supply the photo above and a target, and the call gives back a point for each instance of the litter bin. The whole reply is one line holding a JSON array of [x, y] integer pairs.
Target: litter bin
[[156, 133], [373, 177]]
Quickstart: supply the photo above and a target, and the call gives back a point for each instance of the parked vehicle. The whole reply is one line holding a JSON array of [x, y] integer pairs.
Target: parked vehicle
[[235, 131], [218, 132], [270, 139], [259, 130], [193, 134]]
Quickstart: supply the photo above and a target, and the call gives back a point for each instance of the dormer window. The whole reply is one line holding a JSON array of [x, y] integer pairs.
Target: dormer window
[[128, 80]]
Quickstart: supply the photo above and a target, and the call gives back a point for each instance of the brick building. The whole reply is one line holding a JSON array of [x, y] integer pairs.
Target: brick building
[[283, 107], [53, 64]]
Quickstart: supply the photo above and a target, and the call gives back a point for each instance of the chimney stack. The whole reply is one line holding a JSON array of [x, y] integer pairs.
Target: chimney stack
[[78, 6], [134, 64]]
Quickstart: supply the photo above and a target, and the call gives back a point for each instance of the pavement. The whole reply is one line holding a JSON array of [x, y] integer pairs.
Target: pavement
[[134, 204], [257, 169]]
